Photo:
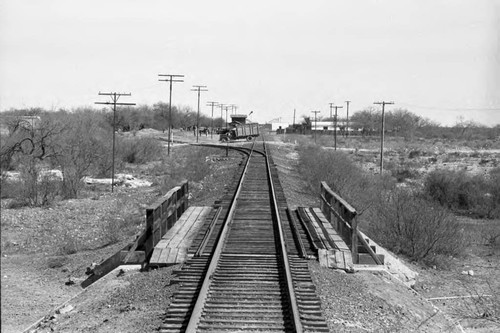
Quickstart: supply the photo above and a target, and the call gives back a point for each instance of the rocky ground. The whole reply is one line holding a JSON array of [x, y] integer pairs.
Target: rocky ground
[[36, 279]]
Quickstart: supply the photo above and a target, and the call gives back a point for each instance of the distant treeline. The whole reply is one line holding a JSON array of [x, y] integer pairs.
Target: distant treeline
[[127, 118], [398, 122], [401, 122]]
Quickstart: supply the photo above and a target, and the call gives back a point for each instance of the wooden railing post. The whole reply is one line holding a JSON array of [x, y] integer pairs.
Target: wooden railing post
[[354, 242]]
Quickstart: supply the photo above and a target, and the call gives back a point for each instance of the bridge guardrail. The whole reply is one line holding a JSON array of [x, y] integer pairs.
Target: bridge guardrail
[[343, 218], [160, 217], [163, 214]]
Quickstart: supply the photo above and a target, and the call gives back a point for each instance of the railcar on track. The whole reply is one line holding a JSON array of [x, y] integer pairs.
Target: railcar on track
[[237, 131]]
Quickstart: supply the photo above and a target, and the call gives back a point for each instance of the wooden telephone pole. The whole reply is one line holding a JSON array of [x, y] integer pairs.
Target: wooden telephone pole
[[383, 103], [334, 123], [171, 78], [114, 101], [212, 129], [347, 124], [315, 124], [199, 89]]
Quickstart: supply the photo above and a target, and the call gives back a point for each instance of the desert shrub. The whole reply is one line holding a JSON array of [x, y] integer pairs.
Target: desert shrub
[[188, 163], [56, 261], [484, 303], [68, 244], [343, 176], [414, 153], [112, 230], [34, 188], [494, 192], [410, 225], [82, 145], [123, 221], [138, 150], [399, 219], [403, 172], [9, 189], [471, 194], [400, 171]]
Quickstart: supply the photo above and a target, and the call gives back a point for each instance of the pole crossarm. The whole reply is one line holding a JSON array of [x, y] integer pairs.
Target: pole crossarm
[[172, 78], [111, 103]]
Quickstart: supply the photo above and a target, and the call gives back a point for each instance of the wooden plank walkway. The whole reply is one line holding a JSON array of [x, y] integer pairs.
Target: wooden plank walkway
[[173, 246], [335, 252]]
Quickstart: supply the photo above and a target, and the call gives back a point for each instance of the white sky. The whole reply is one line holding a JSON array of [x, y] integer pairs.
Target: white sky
[[439, 59]]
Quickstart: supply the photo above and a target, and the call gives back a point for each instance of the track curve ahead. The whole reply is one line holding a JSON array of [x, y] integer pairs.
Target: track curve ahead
[[246, 275]]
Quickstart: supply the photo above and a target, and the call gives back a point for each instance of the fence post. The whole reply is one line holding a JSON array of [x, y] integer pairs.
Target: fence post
[[354, 242]]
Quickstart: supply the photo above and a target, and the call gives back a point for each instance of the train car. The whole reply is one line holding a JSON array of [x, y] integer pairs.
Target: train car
[[237, 131]]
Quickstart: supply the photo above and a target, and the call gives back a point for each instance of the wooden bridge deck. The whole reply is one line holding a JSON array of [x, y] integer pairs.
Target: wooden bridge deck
[[332, 250], [173, 246]]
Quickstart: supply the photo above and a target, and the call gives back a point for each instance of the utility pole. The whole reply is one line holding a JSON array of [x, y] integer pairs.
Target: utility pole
[[315, 123], [383, 103], [227, 139], [293, 118], [114, 101], [227, 107], [171, 78], [335, 127], [347, 125], [333, 121], [221, 116], [198, 89], [212, 129], [232, 108]]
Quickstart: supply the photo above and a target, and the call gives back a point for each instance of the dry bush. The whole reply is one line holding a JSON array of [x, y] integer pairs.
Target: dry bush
[[401, 220], [401, 172], [490, 236], [189, 163], [410, 225], [464, 193], [343, 176], [68, 243], [57, 261], [138, 150], [34, 188], [482, 304], [124, 220]]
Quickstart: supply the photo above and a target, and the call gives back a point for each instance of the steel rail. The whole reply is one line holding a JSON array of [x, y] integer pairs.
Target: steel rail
[[208, 233], [203, 294], [284, 256]]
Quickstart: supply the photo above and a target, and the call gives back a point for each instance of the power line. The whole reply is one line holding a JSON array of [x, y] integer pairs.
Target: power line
[[171, 78], [199, 89], [383, 103], [450, 109], [114, 101]]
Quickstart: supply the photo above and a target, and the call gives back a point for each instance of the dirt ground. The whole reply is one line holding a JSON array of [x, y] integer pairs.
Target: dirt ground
[[36, 282]]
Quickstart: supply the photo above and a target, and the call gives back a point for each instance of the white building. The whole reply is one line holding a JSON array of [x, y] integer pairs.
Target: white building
[[277, 123]]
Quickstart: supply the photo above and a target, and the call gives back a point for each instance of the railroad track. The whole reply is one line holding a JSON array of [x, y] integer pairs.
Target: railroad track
[[246, 273]]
